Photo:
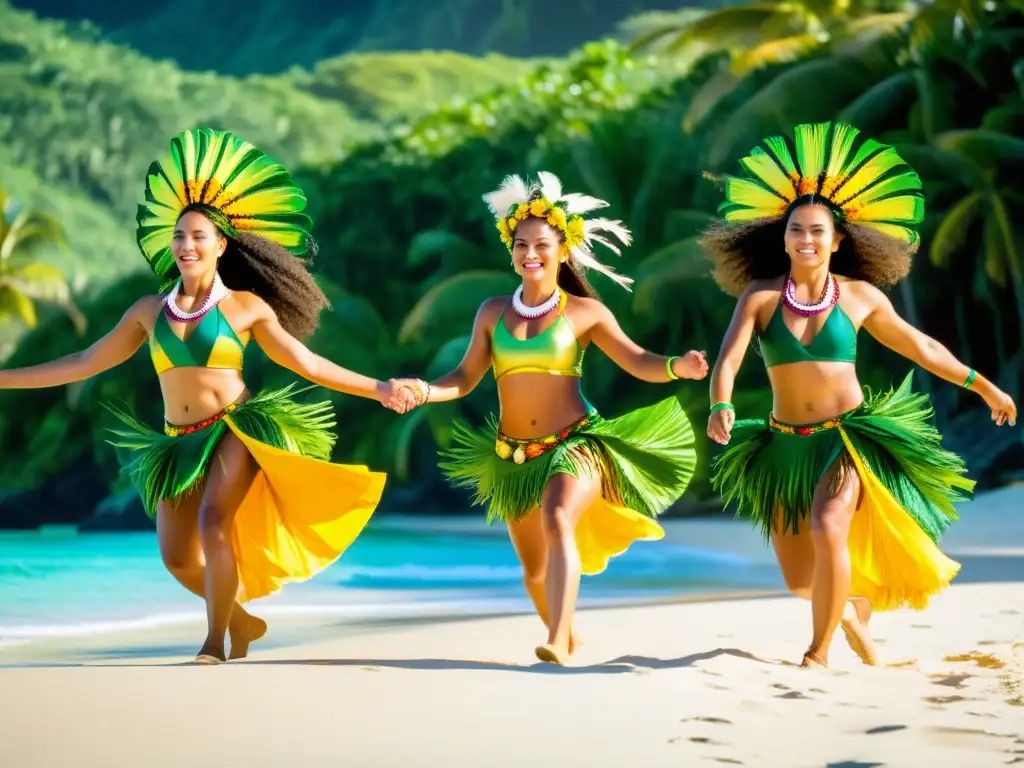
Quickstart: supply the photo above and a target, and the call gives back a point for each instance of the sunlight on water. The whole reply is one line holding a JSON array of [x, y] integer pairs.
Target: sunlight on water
[[56, 581]]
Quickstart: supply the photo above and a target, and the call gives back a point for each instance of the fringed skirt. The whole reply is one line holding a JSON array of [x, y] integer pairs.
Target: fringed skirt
[[645, 460], [909, 485], [301, 512]]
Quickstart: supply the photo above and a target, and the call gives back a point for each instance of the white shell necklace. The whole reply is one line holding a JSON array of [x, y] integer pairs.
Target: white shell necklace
[[218, 291], [533, 312]]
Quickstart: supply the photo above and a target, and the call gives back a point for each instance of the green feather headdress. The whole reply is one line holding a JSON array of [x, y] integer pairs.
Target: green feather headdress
[[864, 181], [215, 171]]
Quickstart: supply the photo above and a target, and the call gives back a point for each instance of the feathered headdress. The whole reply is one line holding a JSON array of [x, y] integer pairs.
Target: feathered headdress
[[516, 200], [247, 190], [864, 181]]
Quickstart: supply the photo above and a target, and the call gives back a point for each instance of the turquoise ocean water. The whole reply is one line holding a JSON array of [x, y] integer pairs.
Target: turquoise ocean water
[[59, 582]]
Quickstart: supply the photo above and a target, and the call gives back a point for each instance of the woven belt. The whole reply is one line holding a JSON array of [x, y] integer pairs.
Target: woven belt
[[520, 451], [178, 430]]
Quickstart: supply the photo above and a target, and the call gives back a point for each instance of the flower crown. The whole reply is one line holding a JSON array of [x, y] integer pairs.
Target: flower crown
[[515, 200]]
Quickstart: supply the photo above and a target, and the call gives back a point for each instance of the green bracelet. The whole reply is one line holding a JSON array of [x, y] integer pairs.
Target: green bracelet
[[970, 379], [722, 407], [668, 369]]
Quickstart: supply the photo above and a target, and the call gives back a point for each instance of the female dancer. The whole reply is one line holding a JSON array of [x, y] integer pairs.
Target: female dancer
[[806, 244], [243, 494], [574, 489]]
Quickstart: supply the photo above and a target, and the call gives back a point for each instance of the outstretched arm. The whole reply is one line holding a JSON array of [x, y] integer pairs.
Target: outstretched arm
[[904, 339], [609, 337], [475, 363], [288, 352], [105, 353], [730, 358]]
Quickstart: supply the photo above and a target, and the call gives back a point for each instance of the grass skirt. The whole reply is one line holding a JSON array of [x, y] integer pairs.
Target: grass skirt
[[645, 459], [909, 484], [301, 511]]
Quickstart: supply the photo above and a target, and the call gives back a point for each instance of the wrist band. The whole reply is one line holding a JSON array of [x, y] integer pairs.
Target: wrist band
[[970, 379], [426, 394], [668, 368], [722, 407]]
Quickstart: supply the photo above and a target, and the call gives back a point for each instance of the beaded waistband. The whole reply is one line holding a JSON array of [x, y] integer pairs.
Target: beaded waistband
[[803, 430], [519, 451], [177, 430]]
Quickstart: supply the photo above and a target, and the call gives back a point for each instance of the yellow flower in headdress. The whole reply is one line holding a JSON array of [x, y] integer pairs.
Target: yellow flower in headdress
[[512, 224], [539, 208], [503, 228], [574, 231], [522, 211], [556, 218]]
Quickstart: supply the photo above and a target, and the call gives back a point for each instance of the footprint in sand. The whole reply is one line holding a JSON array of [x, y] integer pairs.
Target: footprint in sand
[[950, 681], [701, 719], [884, 729], [946, 699], [781, 687], [984, 660]]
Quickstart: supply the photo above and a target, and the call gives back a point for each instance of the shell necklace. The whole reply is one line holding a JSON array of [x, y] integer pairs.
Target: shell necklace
[[218, 291], [533, 312], [829, 296]]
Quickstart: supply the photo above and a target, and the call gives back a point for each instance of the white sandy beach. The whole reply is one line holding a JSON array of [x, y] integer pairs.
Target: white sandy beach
[[696, 682]]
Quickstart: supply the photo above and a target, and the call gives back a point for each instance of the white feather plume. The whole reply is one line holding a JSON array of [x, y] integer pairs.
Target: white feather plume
[[513, 191], [550, 187], [577, 203]]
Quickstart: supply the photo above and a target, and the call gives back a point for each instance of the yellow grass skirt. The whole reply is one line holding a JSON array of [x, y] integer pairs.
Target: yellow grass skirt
[[301, 511]]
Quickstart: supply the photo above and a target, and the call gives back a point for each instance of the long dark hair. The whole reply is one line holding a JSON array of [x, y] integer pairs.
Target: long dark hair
[[754, 250], [275, 274]]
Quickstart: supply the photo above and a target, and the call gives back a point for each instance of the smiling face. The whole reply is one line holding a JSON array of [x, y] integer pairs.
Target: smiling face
[[811, 236], [537, 250], [197, 245]]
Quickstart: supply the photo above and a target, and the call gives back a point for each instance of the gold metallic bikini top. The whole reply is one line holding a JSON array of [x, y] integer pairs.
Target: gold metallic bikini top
[[554, 350]]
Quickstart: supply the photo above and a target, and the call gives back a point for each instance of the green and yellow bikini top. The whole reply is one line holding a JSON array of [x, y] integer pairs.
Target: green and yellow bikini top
[[554, 350], [836, 342], [212, 344]]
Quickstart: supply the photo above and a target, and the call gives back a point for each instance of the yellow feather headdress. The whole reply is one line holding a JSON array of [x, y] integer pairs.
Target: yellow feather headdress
[[246, 190], [516, 200], [864, 181]]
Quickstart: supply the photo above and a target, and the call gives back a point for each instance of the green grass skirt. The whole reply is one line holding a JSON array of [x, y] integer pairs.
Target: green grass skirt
[[646, 459], [164, 467], [765, 470]]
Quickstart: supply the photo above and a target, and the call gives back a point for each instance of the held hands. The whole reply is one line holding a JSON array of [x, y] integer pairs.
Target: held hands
[[692, 365], [403, 395], [720, 425]]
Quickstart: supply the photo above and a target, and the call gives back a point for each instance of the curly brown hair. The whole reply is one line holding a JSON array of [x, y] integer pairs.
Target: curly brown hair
[[754, 250], [279, 277]]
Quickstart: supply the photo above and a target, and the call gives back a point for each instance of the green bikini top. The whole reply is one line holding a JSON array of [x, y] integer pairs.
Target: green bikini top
[[554, 350], [836, 342], [212, 344]]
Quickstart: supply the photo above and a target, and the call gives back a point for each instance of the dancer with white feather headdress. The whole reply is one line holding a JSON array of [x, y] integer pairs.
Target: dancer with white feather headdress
[[574, 489]]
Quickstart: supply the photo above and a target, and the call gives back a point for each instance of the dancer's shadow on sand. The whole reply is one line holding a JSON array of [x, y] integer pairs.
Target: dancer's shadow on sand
[[621, 665]]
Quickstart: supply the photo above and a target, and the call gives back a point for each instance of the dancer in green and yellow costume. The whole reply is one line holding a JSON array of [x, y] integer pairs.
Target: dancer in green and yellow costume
[[244, 497], [575, 489], [853, 488]]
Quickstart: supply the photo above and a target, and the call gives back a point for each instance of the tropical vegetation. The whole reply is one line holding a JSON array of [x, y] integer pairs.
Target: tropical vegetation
[[408, 251]]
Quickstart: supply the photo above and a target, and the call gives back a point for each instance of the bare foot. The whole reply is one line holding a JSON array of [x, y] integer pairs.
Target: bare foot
[[243, 633], [858, 636], [209, 654], [551, 653], [575, 642], [813, 661]]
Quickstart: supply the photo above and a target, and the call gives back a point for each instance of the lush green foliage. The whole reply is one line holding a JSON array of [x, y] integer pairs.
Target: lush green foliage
[[408, 250]]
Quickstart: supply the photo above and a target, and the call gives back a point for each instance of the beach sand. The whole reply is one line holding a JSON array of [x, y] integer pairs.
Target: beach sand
[[684, 683]]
